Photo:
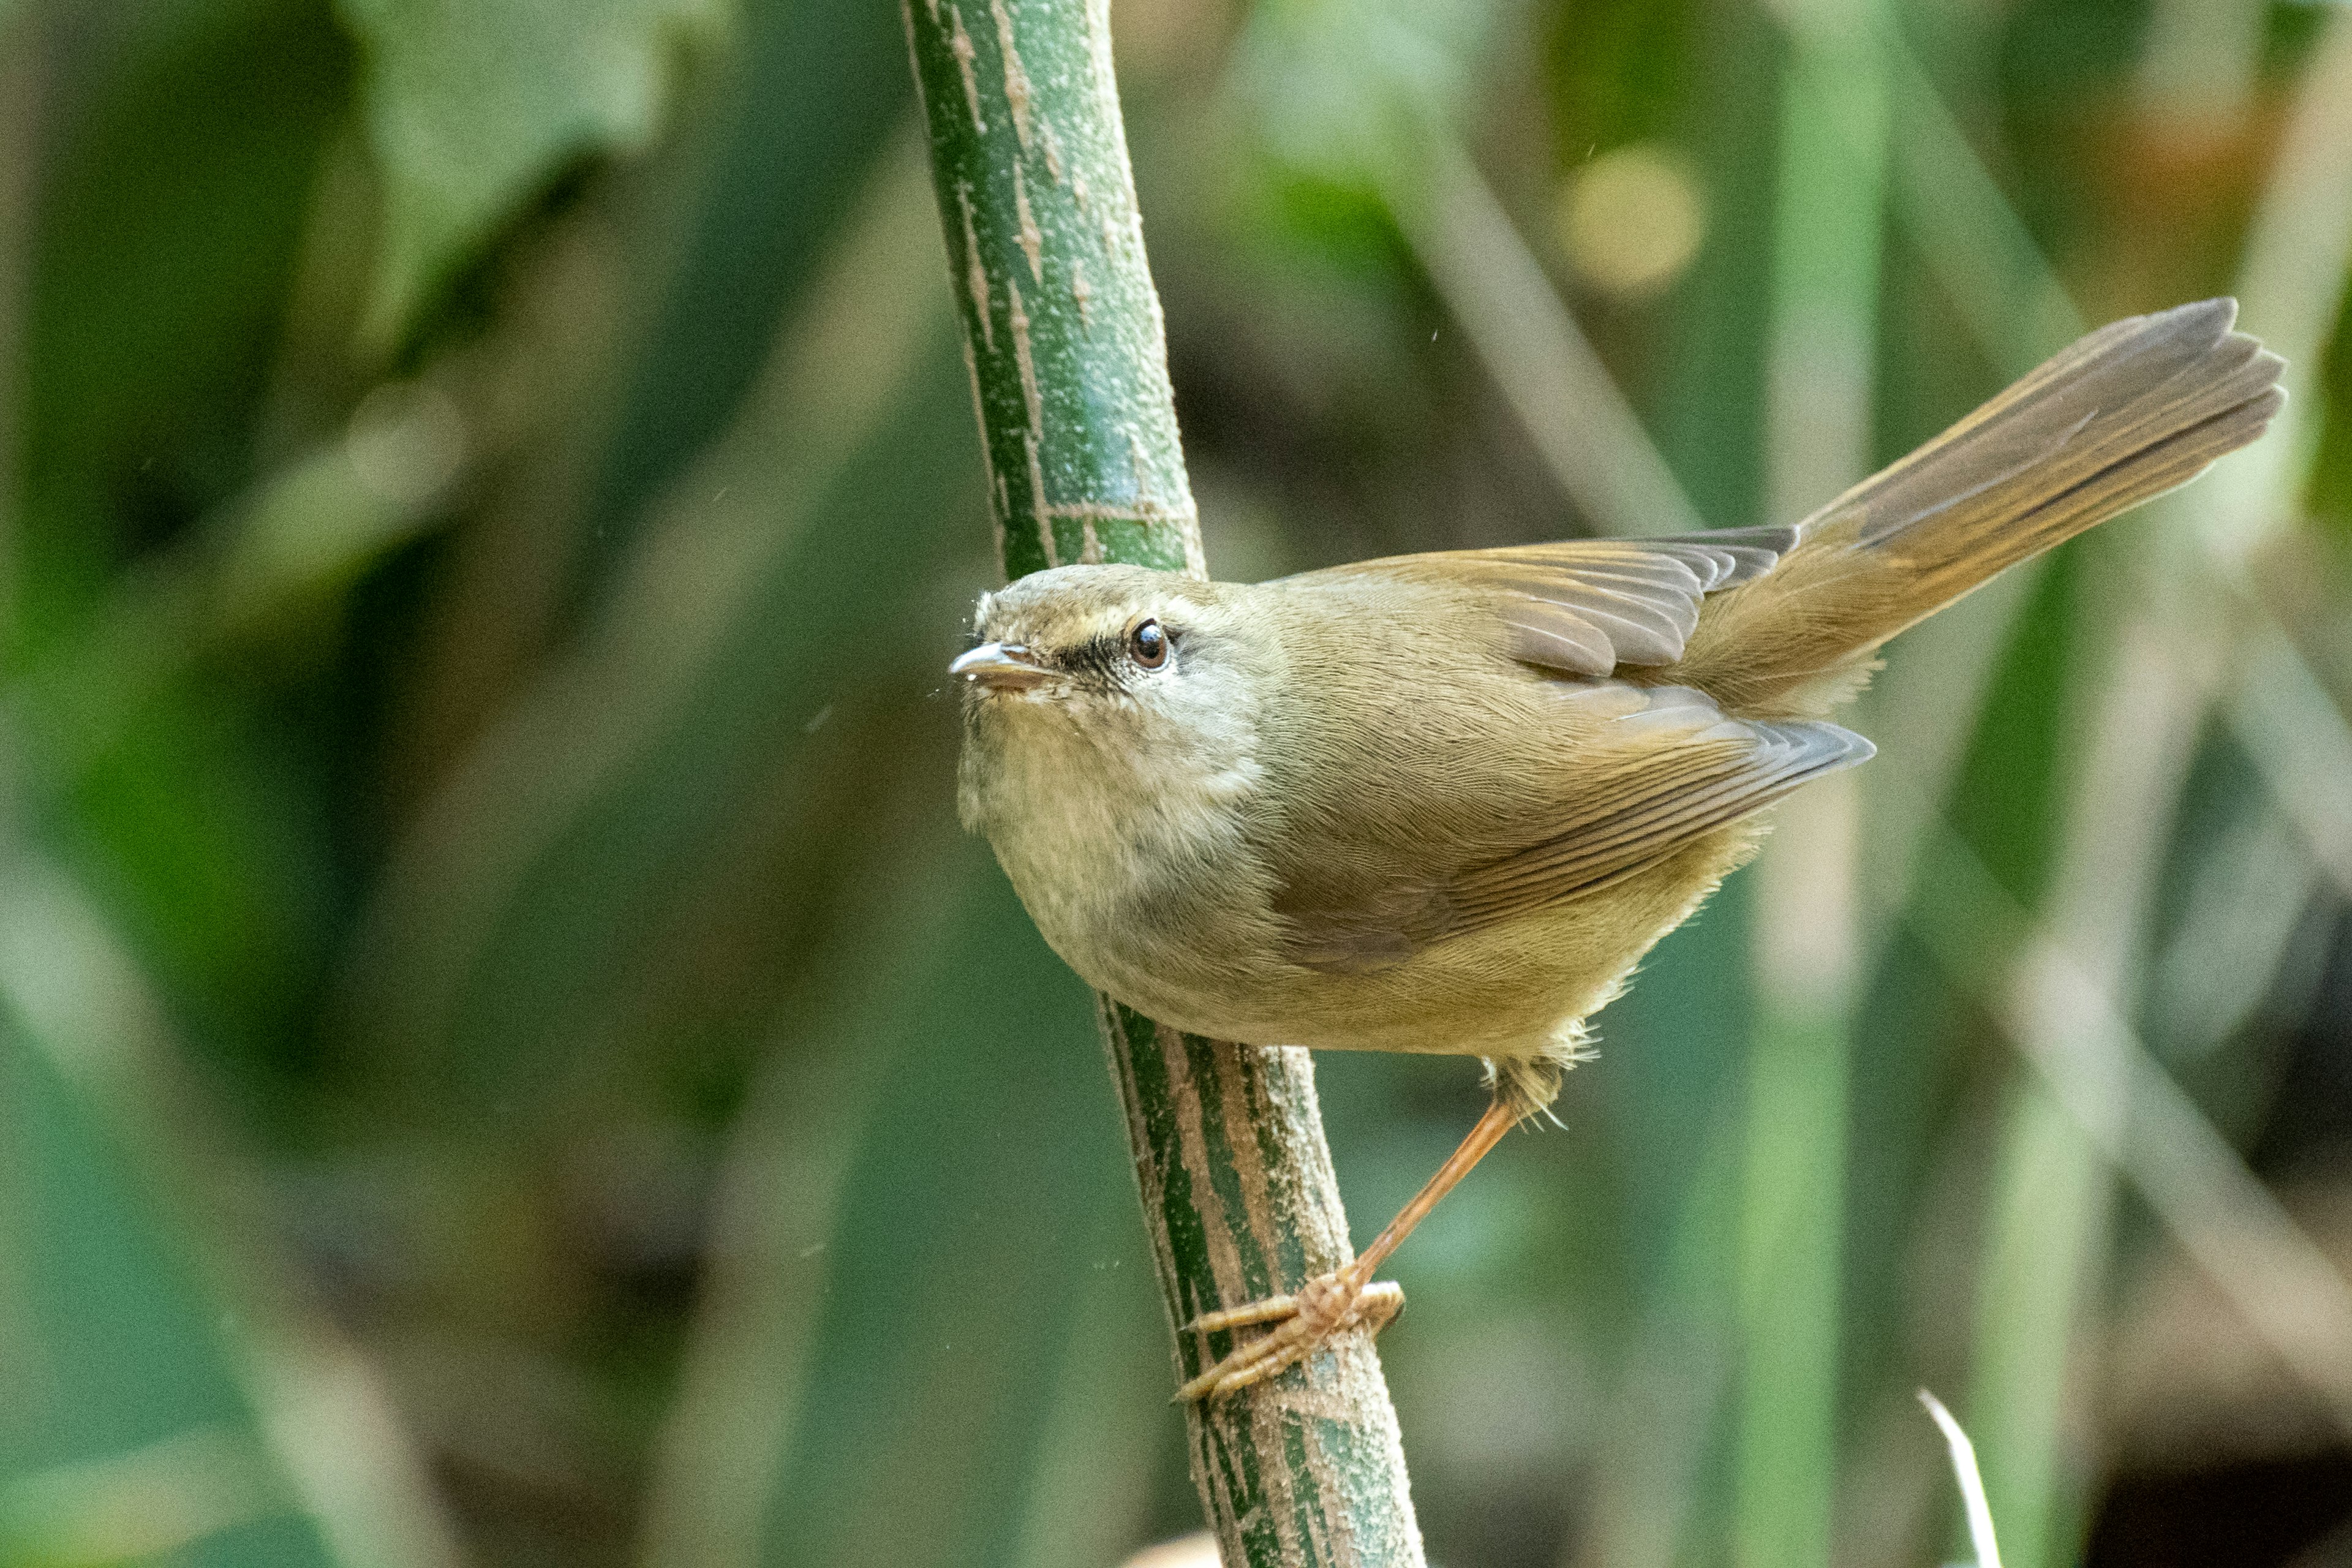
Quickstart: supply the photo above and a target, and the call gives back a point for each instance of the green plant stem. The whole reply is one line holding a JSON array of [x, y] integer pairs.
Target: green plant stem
[[1826, 262], [1063, 340]]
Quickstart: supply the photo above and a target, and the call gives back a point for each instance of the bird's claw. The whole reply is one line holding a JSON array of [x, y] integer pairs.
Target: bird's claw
[[1272, 1310], [1327, 1305]]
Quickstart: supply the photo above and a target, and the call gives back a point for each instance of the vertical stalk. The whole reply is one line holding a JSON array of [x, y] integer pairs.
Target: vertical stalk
[[1063, 338], [1827, 224], [2049, 1214], [2047, 1253], [21, 72]]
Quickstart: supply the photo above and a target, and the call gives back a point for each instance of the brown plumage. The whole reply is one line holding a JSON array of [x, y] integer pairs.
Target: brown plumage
[[1446, 802]]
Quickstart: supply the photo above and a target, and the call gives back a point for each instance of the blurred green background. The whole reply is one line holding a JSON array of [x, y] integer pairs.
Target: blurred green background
[[505, 1057]]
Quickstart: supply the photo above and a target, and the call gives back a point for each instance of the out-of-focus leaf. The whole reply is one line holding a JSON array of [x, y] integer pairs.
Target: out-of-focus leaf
[[1008, 1159], [778, 195], [786, 579], [472, 104], [124, 1432], [74, 1003], [1346, 89], [965, 1335], [496, 1164], [171, 206], [829, 622], [1619, 69]]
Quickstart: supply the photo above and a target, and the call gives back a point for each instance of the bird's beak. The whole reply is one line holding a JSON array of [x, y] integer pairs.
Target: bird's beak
[[1002, 666]]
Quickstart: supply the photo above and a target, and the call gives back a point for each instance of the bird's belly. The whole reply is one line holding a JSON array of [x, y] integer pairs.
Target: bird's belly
[[1513, 990]]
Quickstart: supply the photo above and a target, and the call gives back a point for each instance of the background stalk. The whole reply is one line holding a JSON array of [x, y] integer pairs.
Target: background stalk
[[1824, 309], [1063, 338]]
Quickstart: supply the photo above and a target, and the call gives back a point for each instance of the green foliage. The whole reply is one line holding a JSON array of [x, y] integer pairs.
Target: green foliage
[[506, 1058], [127, 1432], [473, 104], [142, 380], [1350, 89]]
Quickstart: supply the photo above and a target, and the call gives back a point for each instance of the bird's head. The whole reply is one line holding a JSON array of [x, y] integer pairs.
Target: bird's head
[[1095, 675], [1084, 635]]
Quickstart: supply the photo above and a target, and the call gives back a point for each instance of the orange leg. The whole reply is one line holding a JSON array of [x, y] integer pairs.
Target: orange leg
[[1342, 1300]]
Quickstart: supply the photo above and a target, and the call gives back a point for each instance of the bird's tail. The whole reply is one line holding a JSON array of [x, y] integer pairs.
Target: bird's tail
[[2124, 415]]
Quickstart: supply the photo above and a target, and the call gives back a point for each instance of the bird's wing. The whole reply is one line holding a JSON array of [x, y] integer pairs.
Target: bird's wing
[[1664, 768], [1585, 607], [1657, 800]]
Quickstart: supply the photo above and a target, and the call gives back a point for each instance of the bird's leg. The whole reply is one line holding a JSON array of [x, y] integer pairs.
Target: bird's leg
[[1344, 1299]]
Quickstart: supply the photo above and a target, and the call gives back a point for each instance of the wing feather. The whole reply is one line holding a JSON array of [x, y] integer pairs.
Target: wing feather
[[1675, 805], [1585, 607], [1663, 767]]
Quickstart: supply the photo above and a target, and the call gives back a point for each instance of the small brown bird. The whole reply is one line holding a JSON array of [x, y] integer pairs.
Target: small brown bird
[[1446, 802]]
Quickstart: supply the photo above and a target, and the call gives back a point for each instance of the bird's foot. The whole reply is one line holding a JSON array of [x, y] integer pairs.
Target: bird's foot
[[1327, 1305]]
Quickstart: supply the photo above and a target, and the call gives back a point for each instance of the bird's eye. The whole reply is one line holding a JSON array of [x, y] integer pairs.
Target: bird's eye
[[1148, 644]]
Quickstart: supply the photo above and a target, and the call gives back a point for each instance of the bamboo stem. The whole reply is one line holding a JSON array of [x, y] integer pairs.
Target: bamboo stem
[[1063, 340]]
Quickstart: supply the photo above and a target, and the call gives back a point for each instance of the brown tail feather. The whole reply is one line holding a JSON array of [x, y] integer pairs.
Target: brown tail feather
[[2122, 416]]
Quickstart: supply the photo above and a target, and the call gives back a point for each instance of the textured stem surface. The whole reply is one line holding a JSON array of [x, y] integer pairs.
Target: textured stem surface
[[1062, 334]]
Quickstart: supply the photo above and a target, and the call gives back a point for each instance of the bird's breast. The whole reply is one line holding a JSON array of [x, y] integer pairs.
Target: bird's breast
[[1135, 859]]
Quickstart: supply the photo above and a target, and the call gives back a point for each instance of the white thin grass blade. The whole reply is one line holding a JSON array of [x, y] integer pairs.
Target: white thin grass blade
[[1971, 1483]]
